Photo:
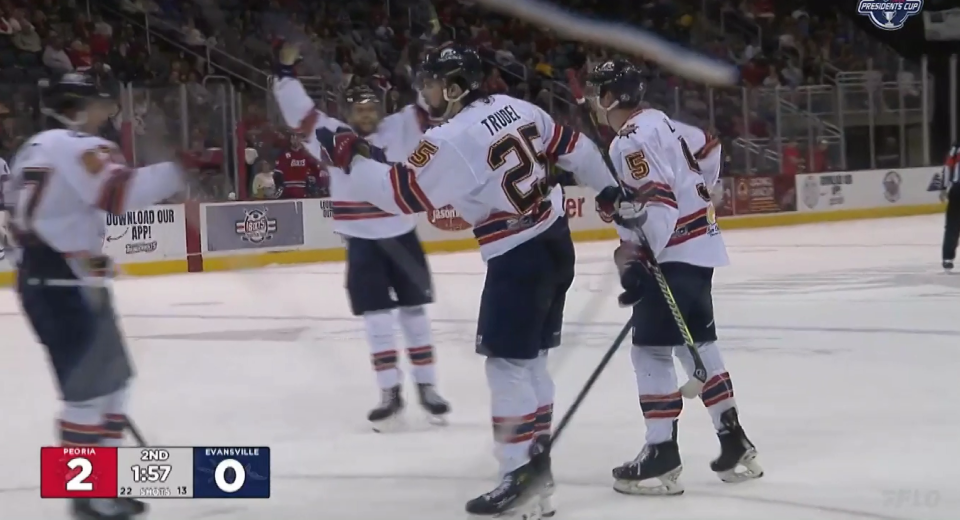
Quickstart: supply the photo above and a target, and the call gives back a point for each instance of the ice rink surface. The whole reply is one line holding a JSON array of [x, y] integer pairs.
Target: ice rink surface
[[843, 342]]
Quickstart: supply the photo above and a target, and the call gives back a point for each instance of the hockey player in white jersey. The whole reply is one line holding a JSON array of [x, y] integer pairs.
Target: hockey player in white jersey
[[490, 160], [388, 277], [64, 181], [672, 201]]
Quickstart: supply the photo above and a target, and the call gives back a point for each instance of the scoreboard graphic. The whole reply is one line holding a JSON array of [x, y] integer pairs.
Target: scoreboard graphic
[[177, 472]]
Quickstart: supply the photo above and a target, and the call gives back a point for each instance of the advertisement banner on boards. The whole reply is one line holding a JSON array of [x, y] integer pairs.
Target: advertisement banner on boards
[[246, 226], [866, 189], [824, 191], [146, 235], [754, 195]]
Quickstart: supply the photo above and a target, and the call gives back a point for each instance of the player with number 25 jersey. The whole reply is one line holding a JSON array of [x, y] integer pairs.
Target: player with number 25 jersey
[[490, 160]]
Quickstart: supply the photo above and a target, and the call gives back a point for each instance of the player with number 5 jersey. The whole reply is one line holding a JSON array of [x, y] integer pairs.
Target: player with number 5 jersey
[[490, 160], [668, 197]]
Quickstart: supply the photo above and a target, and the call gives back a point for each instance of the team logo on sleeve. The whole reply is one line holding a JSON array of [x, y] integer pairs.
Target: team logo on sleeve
[[627, 130]]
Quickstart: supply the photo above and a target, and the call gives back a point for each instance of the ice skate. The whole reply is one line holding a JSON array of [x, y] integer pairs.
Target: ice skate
[[947, 265], [436, 407], [658, 462], [388, 416], [517, 497], [540, 457], [737, 460], [106, 508]]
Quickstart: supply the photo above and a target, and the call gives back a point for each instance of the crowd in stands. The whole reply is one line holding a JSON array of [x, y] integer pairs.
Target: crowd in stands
[[199, 69]]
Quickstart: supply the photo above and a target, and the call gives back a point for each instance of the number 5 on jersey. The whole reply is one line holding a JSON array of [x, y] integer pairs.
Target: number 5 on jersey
[[75, 472]]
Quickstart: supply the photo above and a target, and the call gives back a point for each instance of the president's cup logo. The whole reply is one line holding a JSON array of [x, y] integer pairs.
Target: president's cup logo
[[889, 15]]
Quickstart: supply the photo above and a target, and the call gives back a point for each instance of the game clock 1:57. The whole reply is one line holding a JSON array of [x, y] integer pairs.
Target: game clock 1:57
[[150, 473]]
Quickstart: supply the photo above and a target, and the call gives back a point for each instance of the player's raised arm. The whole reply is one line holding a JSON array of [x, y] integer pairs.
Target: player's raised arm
[[299, 111], [434, 175], [573, 152], [103, 180]]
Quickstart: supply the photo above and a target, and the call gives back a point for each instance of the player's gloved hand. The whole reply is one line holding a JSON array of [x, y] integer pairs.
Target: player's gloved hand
[[635, 278], [287, 58], [944, 195], [342, 146], [617, 203]]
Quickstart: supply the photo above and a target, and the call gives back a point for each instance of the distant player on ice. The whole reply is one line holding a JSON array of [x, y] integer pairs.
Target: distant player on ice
[[386, 266], [490, 160], [655, 162], [63, 182]]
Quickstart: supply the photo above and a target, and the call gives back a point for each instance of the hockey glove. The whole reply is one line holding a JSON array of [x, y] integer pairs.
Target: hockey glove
[[635, 278], [342, 146], [616, 203], [287, 59]]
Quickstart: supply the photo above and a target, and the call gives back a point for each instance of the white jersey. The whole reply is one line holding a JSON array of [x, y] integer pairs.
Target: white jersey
[[65, 182], [5, 178], [489, 162], [398, 134], [653, 158], [706, 150]]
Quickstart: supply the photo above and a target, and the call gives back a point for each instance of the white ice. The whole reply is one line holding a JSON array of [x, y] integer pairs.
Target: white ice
[[843, 341]]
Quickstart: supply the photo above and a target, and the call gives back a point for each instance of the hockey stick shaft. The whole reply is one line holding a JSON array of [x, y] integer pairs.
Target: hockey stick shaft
[[135, 432], [692, 388], [592, 380], [619, 36]]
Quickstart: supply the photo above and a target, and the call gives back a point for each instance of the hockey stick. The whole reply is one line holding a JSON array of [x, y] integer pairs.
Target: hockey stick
[[592, 380], [626, 39], [135, 432], [692, 388]]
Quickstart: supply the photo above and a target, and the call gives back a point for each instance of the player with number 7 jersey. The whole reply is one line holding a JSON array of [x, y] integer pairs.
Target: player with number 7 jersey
[[490, 160], [64, 180]]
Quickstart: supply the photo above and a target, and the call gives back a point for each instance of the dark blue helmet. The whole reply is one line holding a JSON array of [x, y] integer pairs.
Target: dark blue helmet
[[620, 78], [72, 91], [360, 94], [456, 64]]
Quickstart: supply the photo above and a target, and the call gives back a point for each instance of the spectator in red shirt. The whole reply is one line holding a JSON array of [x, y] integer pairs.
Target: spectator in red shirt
[[791, 162], [495, 84], [821, 158], [296, 171]]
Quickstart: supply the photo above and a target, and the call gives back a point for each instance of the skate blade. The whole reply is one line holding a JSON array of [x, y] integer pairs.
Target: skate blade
[[747, 469], [524, 509], [437, 420], [669, 485], [548, 508], [390, 424]]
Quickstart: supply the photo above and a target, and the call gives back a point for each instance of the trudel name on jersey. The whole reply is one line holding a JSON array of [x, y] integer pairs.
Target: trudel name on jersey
[[500, 119]]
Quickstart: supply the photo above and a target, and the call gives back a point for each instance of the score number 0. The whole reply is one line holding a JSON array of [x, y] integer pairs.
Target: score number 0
[[220, 475]]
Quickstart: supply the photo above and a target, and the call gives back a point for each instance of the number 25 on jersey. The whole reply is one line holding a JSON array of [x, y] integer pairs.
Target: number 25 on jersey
[[75, 472]]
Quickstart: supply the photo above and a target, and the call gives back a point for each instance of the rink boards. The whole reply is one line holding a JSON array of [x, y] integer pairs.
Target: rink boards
[[198, 237]]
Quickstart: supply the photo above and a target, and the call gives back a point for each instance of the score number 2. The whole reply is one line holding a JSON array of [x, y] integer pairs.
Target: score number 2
[[79, 481]]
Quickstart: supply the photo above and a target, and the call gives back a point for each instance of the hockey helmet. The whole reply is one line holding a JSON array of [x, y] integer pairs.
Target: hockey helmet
[[447, 66], [362, 106], [67, 98], [617, 77]]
